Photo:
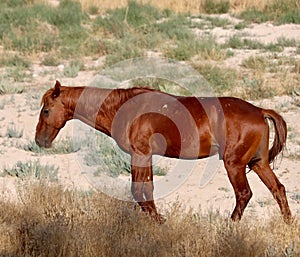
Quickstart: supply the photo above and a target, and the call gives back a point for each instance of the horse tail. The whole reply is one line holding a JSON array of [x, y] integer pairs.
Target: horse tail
[[280, 133]]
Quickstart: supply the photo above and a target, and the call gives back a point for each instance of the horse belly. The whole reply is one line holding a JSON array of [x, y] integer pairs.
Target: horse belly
[[182, 146]]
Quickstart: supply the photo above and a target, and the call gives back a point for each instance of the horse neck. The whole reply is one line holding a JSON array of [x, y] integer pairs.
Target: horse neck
[[85, 104], [98, 107]]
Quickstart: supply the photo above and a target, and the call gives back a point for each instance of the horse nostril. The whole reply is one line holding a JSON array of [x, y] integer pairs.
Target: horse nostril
[[40, 142], [37, 141]]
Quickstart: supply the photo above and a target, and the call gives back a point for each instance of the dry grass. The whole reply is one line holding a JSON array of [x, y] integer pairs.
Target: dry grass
[[180, 6], [51, 221]]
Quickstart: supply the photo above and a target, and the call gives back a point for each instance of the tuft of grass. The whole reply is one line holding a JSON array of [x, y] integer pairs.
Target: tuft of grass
[[258, 63], [296, 197], [14, 60], [7, 88], [216, 6], [206, 48], [72, 69], [286, 42], [221, 80], [236, 42], [11, 80], [63, 146], [218, 22], [175, 27], [241, 25], [255, 88], [3, 102], [93, 10], [124, 50], [13, 132], [33, 169], [51, 60]]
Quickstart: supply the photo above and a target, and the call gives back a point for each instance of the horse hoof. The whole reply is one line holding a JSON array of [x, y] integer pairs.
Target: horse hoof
[[160, 219]]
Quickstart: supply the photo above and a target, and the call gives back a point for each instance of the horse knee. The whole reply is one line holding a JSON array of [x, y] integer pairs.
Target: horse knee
[[244, 195], [281, 189], [137, 191]]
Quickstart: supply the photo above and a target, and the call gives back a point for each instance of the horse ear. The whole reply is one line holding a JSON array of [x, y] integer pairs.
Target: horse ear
[[56, 91]]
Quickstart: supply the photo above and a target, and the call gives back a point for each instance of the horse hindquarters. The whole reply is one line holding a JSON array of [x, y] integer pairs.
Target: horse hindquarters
[[254, 152], [265, 156], [243, 138]]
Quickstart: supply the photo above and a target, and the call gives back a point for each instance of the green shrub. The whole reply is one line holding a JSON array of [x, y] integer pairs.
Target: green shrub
[[216, 6], [8, 86], [135, 16], [176, 27], [256, 89], [68, 14], [72, 69], [93, 10], [63, 146], [279, 11], [14, 61], [241, 25], [34, 169], [136, 29], [50, 60], [255, 16], [218, 22], [128, 48], [94, 46], [221, 80], [183, 51]]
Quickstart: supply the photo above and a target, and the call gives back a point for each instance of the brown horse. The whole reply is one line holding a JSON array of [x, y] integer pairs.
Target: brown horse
[[145, 122]]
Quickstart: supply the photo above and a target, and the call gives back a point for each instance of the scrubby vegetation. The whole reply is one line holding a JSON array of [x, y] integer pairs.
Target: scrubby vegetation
[[32, 170], [67, 32], [51, 221]]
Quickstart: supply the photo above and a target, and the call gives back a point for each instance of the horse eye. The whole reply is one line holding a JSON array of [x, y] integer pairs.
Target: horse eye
[[46, 112]]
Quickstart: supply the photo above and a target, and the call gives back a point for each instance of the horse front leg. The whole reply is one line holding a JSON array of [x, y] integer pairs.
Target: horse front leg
[[142, 184], [237, 176]]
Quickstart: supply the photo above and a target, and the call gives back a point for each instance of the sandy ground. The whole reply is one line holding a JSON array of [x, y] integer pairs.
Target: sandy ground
[[22, 111]]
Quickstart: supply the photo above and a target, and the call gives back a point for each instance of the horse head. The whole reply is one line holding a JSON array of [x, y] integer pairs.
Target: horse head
[[53, 117]]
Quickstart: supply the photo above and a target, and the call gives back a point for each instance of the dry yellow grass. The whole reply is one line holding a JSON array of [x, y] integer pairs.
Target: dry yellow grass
[[183, 6], [51, 221]]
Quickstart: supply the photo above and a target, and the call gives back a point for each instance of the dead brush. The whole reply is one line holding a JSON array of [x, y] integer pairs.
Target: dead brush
[[49, 220]]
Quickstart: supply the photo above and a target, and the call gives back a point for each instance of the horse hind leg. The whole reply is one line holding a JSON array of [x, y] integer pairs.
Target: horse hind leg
[[266, 174], [260, 165]]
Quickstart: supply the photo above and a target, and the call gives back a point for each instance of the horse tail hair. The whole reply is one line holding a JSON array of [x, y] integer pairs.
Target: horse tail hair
[[280, 133]]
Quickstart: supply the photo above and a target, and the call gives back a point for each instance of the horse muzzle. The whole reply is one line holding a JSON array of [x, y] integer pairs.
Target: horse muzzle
[[43, 142]]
